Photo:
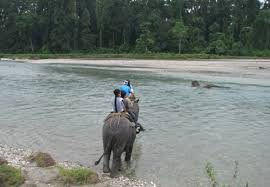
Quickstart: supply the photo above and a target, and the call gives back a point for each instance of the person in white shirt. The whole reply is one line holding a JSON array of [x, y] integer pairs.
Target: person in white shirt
[[118, 105]]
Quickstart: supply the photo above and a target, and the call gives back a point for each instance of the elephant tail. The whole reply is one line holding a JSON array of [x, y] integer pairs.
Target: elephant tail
[[98, 161], [106, 151]]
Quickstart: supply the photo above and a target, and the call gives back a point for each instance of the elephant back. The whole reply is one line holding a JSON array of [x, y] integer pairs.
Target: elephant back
[[118, 115]]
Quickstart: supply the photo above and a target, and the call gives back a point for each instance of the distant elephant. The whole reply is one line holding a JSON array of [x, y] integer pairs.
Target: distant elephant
[[197, 85], [119, 134]]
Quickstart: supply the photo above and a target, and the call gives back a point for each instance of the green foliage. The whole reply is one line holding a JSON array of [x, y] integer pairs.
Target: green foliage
[[87, 40], [104, 53], [10, 176], [64, 26], [211, 174], [179, 31], [146, 39], [236, 49], [218, 44], [266, 4], [78, 176], [246, 37], [261, 33], [61, 36]]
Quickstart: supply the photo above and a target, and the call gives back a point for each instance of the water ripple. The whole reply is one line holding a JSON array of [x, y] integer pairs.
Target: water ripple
[[60, 109]]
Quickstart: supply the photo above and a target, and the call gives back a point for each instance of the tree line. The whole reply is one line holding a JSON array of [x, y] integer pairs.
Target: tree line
[[182, 26]]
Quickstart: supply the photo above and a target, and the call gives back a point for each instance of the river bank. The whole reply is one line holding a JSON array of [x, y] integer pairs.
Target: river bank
[[36, 176], [245, 68]]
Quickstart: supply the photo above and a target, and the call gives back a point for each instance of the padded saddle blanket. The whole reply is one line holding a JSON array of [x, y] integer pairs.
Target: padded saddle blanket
[[119, 114]]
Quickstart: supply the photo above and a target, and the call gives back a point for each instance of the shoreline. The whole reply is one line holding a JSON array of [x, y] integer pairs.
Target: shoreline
[[241, 68], [17, 157]]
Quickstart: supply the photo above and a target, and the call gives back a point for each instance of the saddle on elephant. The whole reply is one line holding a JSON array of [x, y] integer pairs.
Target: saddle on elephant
[[119, 114]]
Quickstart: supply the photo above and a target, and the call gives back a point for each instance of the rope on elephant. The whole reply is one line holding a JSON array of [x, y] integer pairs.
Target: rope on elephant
[[132, 98], [118, 114]]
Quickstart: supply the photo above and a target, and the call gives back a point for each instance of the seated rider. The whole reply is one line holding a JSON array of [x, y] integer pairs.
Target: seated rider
[[128, 104], [131, 88], [126, 88], [118, 105]]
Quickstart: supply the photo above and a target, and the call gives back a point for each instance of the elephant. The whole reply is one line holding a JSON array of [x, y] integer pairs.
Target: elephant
[[118, 134], [197, 85]]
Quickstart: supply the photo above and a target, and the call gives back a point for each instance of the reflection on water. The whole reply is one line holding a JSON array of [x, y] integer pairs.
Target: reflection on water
[[60, 109]]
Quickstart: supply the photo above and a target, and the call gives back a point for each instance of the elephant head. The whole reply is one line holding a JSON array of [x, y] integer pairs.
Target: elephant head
[[135, 109], [195, 84]]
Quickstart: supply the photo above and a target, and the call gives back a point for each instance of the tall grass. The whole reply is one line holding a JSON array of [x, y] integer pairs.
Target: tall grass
[[10, 176]]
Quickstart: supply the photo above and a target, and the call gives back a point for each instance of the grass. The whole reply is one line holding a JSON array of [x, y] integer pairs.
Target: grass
[[110, 56], [10, 176], [165, 56], [78, 176], [212, 176], [42, 159]]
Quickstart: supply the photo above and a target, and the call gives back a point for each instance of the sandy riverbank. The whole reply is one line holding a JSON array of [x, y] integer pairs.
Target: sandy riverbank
[[253, 68], [35, 176]]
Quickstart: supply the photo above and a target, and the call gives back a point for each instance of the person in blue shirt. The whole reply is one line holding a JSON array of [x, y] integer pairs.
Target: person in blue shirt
[[126, 88], [131, 88]]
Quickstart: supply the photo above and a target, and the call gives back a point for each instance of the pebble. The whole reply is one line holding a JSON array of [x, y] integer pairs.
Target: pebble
[[17, 158]]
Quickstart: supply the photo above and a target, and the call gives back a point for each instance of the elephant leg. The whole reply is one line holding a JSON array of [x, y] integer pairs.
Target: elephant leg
[[116, 163], [107, 146], [128, 153], [106, 163]]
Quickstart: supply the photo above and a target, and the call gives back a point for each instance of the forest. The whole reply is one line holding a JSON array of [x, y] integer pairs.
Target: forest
[[220, 27]]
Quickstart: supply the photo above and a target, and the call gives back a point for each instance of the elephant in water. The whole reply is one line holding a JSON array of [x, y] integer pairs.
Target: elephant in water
[[197, 85], [119, 134]]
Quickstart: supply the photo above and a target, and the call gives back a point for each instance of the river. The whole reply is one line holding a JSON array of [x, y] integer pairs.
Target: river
[[60, 108]]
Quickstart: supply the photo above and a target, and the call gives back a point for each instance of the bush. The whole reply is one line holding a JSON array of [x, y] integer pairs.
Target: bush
[[105, 51], [78, 176], [236, 49], [42, 159], [3, 161], [10, 176], [125, 48], [217, 47], [261, 53]]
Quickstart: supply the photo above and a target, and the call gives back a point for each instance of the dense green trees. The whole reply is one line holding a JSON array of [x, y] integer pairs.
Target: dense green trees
[[179, 31], [190, 26]]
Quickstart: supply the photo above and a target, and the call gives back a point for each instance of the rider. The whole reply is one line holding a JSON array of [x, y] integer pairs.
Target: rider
[[118, 105], [131, 87], [126, 88], [128, 104]]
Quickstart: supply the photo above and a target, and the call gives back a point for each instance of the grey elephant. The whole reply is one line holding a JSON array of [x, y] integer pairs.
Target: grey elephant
[[119, 133], [196, 84]]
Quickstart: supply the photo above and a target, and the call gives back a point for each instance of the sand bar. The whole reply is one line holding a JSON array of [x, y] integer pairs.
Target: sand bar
[[250, 68]]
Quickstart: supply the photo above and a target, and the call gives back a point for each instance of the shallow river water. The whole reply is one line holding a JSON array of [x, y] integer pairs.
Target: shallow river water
[[59, 108]]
